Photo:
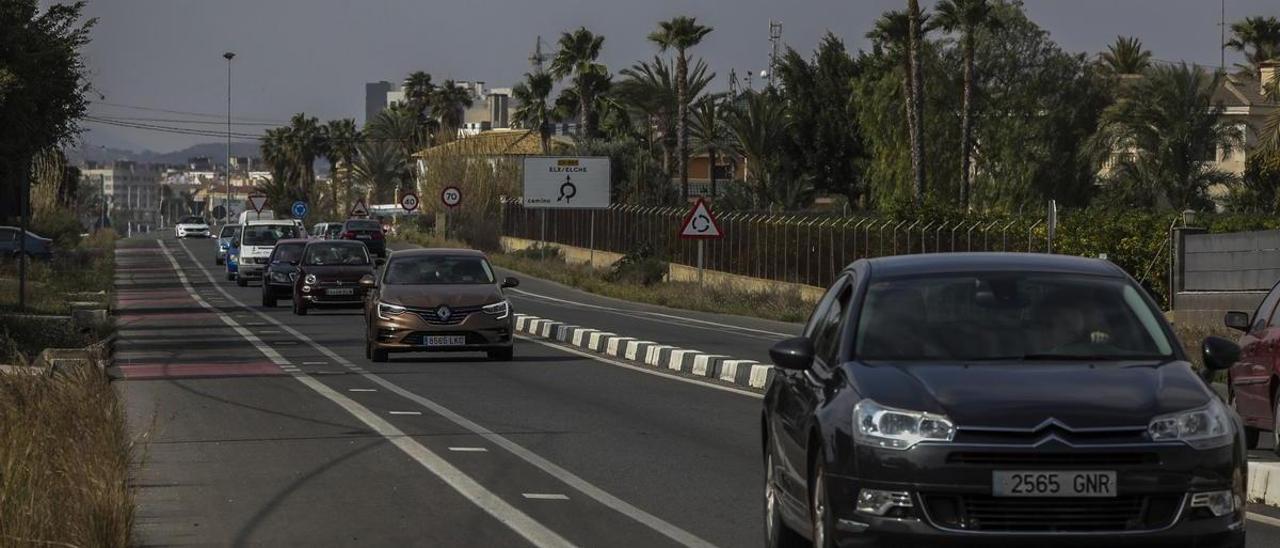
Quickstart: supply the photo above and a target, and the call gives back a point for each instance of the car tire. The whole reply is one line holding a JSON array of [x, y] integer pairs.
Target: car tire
[[299, 307], [820, 507], [503, 355], [231, 276], [242, 282], [268, 300], [378, 355], [777, 534], [218, 261]]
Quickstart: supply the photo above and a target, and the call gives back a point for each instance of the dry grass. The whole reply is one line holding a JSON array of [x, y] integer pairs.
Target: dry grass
[[1192, 335], [89, 266], [64, 462]]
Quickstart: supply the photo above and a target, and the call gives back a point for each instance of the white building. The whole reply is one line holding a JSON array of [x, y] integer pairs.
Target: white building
[[132, 191]]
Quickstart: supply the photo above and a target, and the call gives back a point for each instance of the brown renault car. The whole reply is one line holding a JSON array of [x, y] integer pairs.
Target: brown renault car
[[438, 300], [329, 275]]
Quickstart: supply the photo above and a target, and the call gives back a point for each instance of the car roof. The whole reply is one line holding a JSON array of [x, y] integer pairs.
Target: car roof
[[293, 241], [437, 251], [935, 263], [284, 222], [334, 242]]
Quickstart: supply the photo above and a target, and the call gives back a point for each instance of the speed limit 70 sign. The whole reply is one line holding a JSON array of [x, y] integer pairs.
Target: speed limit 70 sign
[[451, 196]]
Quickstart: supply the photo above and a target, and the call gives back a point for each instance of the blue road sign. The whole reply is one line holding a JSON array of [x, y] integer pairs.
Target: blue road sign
[[299, 209]]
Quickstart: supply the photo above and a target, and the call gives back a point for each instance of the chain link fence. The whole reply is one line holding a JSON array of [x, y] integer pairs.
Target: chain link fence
[[799, 248]]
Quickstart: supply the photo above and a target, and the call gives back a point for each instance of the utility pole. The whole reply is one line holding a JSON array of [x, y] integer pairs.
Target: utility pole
[[775, 39], [226, 208]]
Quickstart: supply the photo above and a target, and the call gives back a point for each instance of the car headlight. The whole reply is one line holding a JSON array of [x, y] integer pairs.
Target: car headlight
[[310, 279], [891, 428], [279, 276], [1206, 427], [386, 311], [500, 309]]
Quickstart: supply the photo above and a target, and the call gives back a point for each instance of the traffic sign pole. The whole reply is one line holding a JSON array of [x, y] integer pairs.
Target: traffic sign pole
[[701, 244], [591, 240]]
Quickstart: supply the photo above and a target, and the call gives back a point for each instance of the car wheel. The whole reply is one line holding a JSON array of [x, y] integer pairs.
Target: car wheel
[[299, 307], [268, 300], [378, 355], [777, 534], [242, 282], [819, 507], [231, 276], [217, 261], [503, 355]]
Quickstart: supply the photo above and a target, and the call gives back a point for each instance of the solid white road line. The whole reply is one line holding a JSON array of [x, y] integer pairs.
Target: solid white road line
[[545, 496], [362, 390], [644, 370], [533, 531], [599, 495], [644, 315], [405, 412], [1261, 518]]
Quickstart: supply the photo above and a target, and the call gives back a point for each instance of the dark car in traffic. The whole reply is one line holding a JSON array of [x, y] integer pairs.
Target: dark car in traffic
[[1253, 384], [997, 400], [438, 300], [11, 244], [368, 231], [329, 275], [282, 271]]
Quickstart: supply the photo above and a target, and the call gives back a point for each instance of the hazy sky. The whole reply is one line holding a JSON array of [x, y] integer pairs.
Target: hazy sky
[[314, 56]]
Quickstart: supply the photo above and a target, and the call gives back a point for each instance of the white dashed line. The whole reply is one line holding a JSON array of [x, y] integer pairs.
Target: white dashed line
[[545, 496], [405, 412], [315, 363], [468, 450], [362, 390]]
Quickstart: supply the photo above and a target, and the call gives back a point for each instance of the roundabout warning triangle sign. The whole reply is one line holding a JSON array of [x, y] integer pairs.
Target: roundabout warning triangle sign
[[700, 224]]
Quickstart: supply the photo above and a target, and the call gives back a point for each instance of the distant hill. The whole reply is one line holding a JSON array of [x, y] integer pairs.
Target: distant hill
[[215, 151]]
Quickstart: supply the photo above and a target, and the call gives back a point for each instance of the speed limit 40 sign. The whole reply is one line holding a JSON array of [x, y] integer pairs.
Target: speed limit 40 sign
[[451, 196], [409, 202]]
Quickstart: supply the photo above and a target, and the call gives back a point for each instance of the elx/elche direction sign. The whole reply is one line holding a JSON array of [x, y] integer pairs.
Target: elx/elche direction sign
[[566, 182]]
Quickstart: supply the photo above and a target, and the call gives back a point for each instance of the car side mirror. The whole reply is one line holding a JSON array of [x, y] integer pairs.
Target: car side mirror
[[368, 282], [510, 282], [1219, 353], [795, 354], [1237, 320]]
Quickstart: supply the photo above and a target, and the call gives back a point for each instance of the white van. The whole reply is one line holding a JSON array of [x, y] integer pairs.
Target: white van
[[256, 240], [250, 215]]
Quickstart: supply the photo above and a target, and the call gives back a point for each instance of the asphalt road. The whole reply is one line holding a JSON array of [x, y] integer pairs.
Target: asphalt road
[[261, 427]]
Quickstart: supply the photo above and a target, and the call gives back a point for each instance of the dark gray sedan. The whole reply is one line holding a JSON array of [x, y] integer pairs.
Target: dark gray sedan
[[38, 247]]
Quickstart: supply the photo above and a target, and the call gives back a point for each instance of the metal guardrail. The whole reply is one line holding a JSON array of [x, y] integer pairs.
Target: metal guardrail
[[798, 248]]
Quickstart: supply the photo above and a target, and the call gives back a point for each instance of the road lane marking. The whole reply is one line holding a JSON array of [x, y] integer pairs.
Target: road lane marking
[[599, 495], [642, 314], [545, 496], [362, 390], [468, 450], [315, 363], [1274, 522], [405, 412], [647, 371], [533, 531]]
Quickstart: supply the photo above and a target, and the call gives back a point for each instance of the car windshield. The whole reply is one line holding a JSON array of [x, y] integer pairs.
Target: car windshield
[[364, 225], [191, 221], [337, 254], [1008, 316], [333, 230], [287, 253], [259, 235], [229, 231], [438, 269]]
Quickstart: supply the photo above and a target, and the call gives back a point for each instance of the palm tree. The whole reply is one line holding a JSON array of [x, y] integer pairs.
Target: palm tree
[[576, 57], [710, 132], [532, 100], [380, 167], [418, 98], [916, 31], [1173, 129], [759, 128], [966, 17], [649, 92], [892, 36], [275, 152], [305, 142], [395, 126], [341, 138], [1125, 56], [594, 86], [450, 102], [680, 34], [1258, 38]]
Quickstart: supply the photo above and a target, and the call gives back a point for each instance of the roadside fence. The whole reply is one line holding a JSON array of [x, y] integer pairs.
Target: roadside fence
[[799, 248]]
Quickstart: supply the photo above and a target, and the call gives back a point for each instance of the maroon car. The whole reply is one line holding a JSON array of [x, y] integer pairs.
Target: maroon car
[[329, 275], [1254, 382]]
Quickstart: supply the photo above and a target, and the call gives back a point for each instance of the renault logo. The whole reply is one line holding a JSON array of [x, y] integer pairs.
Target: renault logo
[[443, 313]]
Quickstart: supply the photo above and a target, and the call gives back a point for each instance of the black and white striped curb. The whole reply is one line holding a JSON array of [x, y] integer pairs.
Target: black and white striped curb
[[746, 373]]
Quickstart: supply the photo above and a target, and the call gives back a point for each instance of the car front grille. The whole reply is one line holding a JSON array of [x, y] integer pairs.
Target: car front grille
[[456, 315], [1043, 459], [1051, 515]]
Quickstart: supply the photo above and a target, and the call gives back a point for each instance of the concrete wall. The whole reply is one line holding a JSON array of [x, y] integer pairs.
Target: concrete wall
[[675, 272], [1207, 307], [1236, 261]]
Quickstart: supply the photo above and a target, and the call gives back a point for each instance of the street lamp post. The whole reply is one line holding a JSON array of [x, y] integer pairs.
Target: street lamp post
[[226, 206]]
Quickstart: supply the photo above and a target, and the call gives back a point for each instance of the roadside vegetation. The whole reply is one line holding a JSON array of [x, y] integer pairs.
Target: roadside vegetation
[[80, 266], [64, 461], [638, 280]]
